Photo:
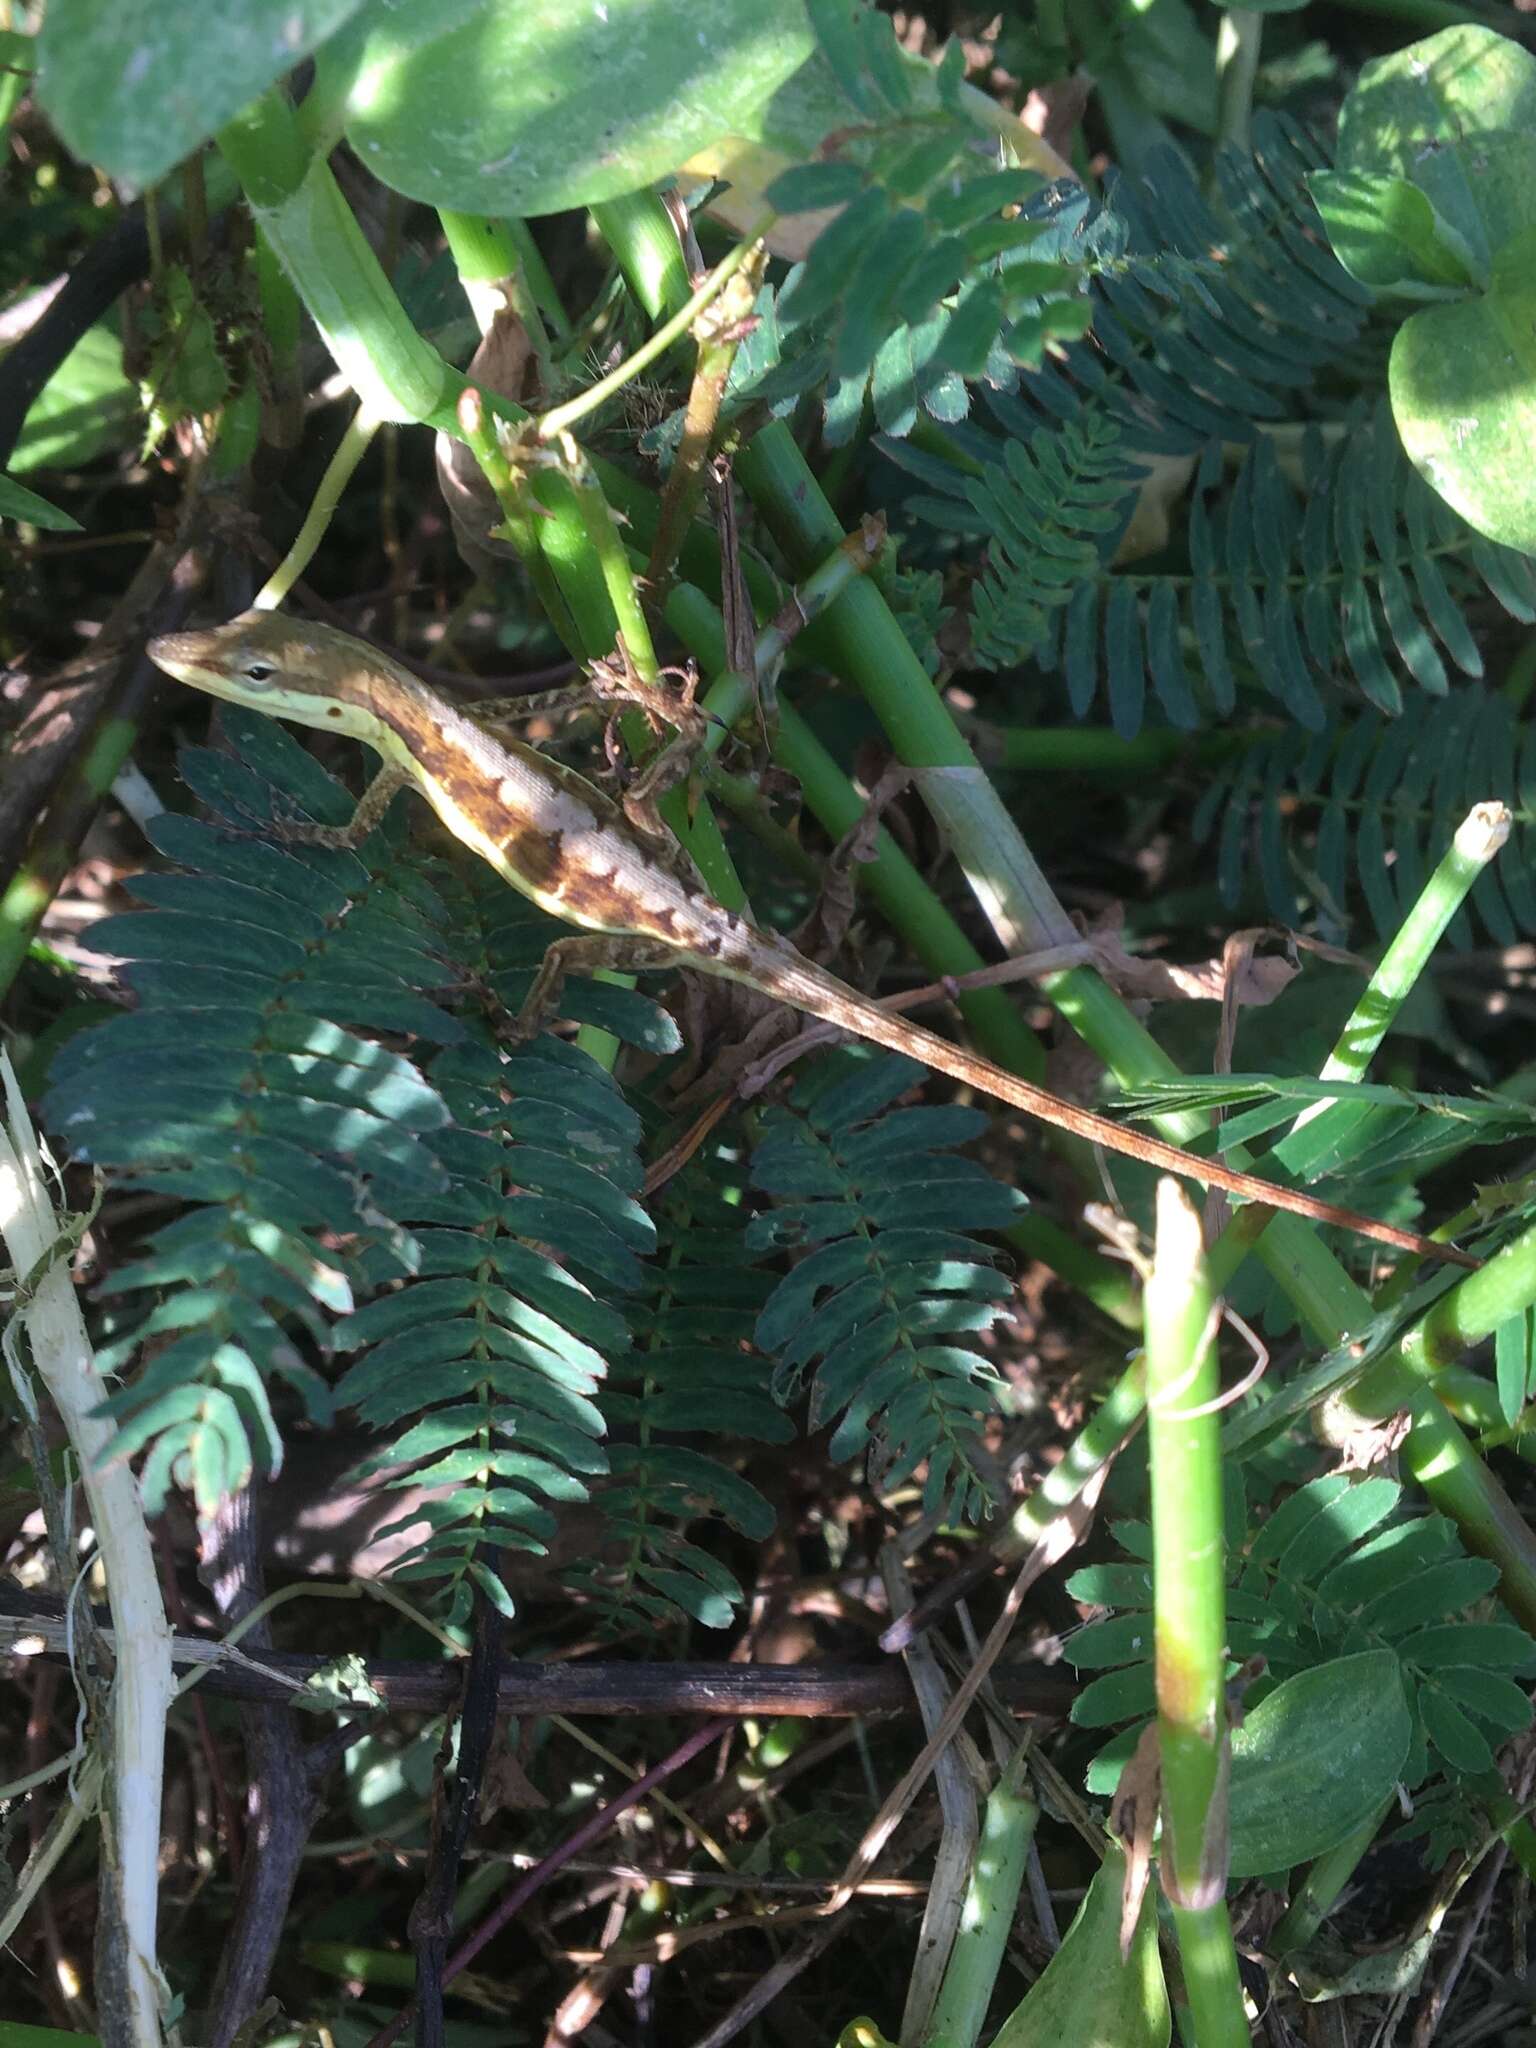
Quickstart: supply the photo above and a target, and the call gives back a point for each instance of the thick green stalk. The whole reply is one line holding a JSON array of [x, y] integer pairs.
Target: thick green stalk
[[1239, 39], [486, 258], [1472, 1310], [1478, 838], [1436, 1452], [522, 523], [540, 283], [997, 864], [298, 206], [913, 910], [1190, 1616], [568, 532], [1089, 1451], [1034, 1520], [607, 548], [1336, 1309], [1319, 1891], [986, 1919], [873, 652], [640, 233], [1091, 749]]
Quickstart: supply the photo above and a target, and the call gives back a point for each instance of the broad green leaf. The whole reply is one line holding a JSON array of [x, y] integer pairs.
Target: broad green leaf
[[1315, 1759], [17, 502], [135, 85], [1463, 386], [1086, 1997], [555, 106], [1454, 114], [1387, 234], [85, 407]]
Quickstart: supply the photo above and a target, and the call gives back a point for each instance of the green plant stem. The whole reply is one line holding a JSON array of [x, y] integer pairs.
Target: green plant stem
[[640, 233], [350, 451], [1471, 1310], [1089, 1451], [1339, 1308], [1437, 1455], [731, 696], [486, 258], [540, 283], [986, 1919], [1212, 1981], [913, 910], [281, 318], [871, 649], [1318, 1893], [523, 526], [613, 563], [1478, 838], [719, 334], [580, 546], [562, 417], [298, 206], [1435, 1451], [1239, 40], [1190, 1618], [1092, 750], [1474, 1402]]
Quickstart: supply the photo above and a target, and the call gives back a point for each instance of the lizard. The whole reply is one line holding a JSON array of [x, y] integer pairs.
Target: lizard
[[552, 834]]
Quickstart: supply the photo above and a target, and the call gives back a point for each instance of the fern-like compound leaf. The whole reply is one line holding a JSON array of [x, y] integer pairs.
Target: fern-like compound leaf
[[869, 1317]]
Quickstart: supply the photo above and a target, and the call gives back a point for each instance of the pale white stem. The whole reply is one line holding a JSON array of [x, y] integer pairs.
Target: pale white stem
[[142, 1686]]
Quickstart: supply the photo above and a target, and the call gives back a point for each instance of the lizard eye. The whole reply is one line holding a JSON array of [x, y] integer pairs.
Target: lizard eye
[[259, 672]]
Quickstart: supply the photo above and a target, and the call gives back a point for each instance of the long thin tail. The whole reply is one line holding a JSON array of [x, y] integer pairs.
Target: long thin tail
[[824, 996]]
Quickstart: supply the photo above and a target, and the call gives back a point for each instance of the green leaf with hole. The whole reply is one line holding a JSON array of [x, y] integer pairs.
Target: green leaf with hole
[[1463, 384], [1086, 1996], [136, 85], [542, 106], [1315, 1759], [1386, 233]]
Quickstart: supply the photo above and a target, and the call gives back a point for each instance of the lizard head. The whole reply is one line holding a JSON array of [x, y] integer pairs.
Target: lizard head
[[289, 668]]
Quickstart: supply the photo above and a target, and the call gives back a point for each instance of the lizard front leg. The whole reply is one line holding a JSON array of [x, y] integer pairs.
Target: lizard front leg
[[371, 806], [587, 953]]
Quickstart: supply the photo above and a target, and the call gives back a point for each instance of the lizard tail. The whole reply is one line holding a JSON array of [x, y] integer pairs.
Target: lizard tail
[[810, 988]]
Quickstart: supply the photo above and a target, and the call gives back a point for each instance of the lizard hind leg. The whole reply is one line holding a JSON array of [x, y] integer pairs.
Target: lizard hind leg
[[587, 953]]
